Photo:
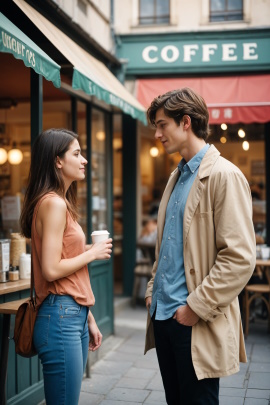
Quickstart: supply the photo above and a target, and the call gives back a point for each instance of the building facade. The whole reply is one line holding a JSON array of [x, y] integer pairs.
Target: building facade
[[221, 49], [59, 70]]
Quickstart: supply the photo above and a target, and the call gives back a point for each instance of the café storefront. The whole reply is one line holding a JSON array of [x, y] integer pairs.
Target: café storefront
[[231, 70], [77, 92]]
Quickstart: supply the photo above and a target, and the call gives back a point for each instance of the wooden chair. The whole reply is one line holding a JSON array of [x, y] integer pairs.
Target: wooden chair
[[254, 291], [143, 268]]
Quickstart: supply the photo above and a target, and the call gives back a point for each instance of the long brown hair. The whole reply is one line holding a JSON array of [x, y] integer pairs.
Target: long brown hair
[[44, 176], [177, 103]]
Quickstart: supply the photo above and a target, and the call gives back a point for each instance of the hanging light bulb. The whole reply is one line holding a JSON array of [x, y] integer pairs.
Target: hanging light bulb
[[223, 127], [100, 135], [3, 156], [154, 151], [241, 133], [245, 145], [15, 155], [223, 139]]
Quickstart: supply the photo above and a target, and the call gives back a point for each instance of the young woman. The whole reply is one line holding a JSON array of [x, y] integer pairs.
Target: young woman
[[60, 257]]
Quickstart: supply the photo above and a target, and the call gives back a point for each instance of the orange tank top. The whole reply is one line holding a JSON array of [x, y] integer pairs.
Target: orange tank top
[[77, 285]]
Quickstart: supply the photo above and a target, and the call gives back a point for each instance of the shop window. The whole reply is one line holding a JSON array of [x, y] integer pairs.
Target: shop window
[[226, 10], [117, 203], [82, 185], [153, 12], [99, 170]]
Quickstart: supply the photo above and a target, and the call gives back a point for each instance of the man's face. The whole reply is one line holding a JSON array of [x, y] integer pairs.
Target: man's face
[[171, 135]]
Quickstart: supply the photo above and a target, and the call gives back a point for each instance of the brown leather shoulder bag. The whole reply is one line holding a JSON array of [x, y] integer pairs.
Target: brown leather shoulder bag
[[24, 323]]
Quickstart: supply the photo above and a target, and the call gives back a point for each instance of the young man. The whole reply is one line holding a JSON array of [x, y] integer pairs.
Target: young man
[[205, 255]]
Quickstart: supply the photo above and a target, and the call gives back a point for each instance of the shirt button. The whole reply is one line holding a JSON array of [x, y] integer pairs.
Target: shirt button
[[173, 216], [169, 237], [192, 271], [181, 183], [164, 257], [162, 275]]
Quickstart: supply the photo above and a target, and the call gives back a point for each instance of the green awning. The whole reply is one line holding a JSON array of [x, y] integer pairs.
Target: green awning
[[89, 74], [91, 87], [14, 41]]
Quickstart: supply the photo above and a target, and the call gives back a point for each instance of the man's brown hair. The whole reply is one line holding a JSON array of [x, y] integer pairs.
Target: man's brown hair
[[177, 103]]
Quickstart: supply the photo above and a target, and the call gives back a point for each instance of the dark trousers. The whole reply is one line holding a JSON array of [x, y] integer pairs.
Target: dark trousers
[[173, 346]]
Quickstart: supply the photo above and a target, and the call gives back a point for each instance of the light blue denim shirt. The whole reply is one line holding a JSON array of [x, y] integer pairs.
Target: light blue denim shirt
[[170, 289]]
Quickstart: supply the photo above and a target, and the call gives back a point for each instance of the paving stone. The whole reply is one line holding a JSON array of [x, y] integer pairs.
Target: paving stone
[[147, 363], [111, 368], [243, 368], [233, 381], [134, 372], [126, 382], [127, 394], [248, 348], [253, 401], [88, 398], [232, 392], [262, 394], [138, 339], [127, 348], [126, 377], [131, 323], [260, 367], [156, 383], [151, 354], [261, 353], [231, 401], [111, 402], [259, 380], [121, 356], [156, 398], [98, 384]]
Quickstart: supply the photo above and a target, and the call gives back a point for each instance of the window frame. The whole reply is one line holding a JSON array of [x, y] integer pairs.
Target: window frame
[[155, 17], [225, 13]]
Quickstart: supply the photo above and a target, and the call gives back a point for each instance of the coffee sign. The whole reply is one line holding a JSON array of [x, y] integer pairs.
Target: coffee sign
[[172, 53], [195, 52]]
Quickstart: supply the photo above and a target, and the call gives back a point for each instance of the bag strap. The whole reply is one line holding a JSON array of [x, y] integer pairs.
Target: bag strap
[[33, 298], [32, 277]]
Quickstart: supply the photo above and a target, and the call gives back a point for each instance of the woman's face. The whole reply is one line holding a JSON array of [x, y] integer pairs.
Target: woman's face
[[72, 165]]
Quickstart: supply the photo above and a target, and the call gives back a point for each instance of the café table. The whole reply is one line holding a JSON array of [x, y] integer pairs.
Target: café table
[[7, 309], [257, 291], [261, 265]]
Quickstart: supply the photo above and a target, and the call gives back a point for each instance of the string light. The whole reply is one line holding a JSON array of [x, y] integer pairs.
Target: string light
[[245, 145], [223, 139], [3, 156], [154, 151], [15, 156], [241, 133]]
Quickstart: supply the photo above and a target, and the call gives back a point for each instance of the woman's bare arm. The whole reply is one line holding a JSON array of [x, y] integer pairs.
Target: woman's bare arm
[[50, 223]]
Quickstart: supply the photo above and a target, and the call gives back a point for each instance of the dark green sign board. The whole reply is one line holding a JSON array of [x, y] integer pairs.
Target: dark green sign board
[[196, 52]]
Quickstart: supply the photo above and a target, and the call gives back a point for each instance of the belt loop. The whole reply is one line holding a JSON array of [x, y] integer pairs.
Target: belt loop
[[51, 299]]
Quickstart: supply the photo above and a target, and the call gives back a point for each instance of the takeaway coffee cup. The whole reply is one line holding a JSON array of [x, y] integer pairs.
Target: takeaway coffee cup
[[98, 236]]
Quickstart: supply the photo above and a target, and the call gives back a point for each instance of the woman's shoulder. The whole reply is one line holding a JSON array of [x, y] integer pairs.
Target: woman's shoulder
[[53, 202]]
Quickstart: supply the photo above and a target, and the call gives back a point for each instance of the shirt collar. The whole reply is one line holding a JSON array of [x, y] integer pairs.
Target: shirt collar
[[195, 162]]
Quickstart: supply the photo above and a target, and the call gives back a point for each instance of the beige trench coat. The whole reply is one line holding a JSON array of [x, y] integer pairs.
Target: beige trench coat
[[219, 258]]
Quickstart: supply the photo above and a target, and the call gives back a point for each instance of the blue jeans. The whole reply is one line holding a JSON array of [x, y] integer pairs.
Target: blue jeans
[[61, 339]]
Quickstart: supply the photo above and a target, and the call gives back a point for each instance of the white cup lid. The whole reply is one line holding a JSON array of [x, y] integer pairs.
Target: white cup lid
[[100, 232]]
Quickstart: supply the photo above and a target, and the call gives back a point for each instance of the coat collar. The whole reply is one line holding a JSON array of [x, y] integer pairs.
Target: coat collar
[[207, 162]]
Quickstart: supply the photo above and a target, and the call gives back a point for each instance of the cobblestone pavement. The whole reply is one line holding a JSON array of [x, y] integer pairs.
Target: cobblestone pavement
[[125, 376]]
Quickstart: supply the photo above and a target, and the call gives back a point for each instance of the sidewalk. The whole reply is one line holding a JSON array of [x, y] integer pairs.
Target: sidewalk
[[124, 376]]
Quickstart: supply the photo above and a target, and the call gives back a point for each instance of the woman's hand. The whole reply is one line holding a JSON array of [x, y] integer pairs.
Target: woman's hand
[[102, 250], [95, 337]]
